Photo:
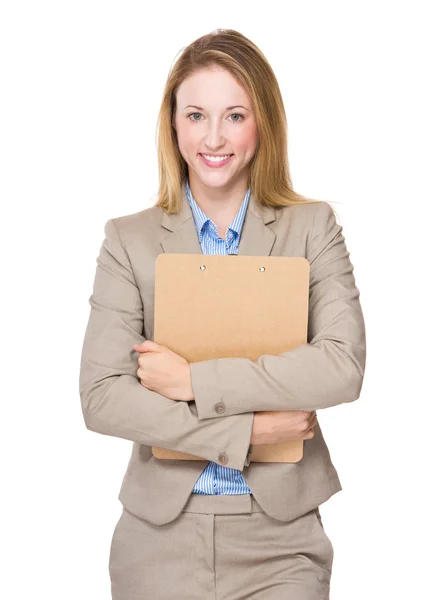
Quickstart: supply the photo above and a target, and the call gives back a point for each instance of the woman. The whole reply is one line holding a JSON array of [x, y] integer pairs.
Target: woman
[[224, 527]]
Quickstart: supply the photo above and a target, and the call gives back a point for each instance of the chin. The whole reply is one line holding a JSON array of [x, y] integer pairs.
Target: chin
[[213, 179]]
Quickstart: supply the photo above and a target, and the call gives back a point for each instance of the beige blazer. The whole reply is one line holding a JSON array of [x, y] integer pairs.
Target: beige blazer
[[326, 371]]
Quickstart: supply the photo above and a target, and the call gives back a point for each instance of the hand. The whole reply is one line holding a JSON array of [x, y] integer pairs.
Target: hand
[[163, 371], [272, 427]]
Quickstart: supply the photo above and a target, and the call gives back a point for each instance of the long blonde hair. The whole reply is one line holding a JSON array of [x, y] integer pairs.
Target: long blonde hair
[[269, 177]]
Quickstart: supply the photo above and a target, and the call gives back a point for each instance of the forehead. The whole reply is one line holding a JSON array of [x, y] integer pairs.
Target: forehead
[[211, 87]]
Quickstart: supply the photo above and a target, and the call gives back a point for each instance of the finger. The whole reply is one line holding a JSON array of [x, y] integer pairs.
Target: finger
[[312, 416], [313, 421], [147, 345], [139, 348]]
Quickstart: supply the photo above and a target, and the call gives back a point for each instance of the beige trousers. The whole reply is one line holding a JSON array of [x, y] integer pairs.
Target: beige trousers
[[221, 547]]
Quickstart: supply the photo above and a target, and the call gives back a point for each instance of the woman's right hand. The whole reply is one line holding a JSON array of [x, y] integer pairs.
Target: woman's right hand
[[271, 427]]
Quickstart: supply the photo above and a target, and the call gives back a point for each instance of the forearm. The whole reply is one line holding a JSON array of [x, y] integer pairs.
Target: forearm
[[320, 376], [113, 400], [326, 371], [122, 407]]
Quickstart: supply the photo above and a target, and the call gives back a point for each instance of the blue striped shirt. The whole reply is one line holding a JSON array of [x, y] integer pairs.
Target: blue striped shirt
[[217, 479]]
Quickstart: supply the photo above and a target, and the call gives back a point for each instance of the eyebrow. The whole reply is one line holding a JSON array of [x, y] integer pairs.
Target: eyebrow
[[228, 108]]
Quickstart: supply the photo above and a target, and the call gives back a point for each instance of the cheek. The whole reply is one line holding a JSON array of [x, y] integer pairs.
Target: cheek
[[247, 138], [186, 136]]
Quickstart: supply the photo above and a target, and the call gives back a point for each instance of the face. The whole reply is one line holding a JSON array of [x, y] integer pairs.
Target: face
[[214, 116]]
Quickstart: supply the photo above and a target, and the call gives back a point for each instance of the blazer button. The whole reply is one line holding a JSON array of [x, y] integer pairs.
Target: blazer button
[[220, 408], [223, 458]]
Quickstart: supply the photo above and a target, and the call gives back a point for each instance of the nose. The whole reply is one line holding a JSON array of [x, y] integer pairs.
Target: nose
[[214, 138]]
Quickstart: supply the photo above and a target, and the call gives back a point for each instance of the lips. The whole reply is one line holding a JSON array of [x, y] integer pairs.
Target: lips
[[215, 164]]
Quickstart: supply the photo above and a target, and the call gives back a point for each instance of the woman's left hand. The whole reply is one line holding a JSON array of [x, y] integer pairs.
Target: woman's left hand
[[163, 371]]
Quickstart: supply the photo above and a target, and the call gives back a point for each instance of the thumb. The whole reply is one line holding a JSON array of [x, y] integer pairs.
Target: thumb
[[147, 346]]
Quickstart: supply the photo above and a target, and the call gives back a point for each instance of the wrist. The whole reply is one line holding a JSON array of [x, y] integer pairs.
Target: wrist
[[256, 429], [190, 395]]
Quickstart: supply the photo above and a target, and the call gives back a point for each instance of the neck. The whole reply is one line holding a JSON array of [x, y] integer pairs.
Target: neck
[[220, 204]]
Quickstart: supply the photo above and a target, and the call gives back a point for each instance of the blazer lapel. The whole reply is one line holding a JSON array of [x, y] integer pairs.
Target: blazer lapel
[[256, 238]]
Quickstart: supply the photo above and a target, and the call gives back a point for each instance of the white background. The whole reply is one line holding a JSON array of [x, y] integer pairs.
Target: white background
[[81, 86]]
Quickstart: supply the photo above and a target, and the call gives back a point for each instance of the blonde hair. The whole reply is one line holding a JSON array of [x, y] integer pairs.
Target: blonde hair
[[269, 177]]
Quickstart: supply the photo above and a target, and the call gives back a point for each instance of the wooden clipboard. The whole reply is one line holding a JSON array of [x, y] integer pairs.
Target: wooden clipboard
[[215, 306]]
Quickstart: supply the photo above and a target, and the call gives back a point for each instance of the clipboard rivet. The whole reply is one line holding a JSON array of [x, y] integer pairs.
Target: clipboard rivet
[[202, 267], [262, 268]]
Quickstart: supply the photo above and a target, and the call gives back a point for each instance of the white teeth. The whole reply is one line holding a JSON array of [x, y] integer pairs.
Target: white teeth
[[216, 158]]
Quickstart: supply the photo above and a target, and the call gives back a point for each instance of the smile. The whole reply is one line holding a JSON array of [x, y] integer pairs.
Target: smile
[[216, 162]]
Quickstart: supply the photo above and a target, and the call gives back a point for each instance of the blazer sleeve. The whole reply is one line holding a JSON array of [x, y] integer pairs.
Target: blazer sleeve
[[113, 400], [326, 371]]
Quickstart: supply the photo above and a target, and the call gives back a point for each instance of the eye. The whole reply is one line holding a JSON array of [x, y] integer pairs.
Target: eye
[[237, 115], [232, 115], [195, 113]]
